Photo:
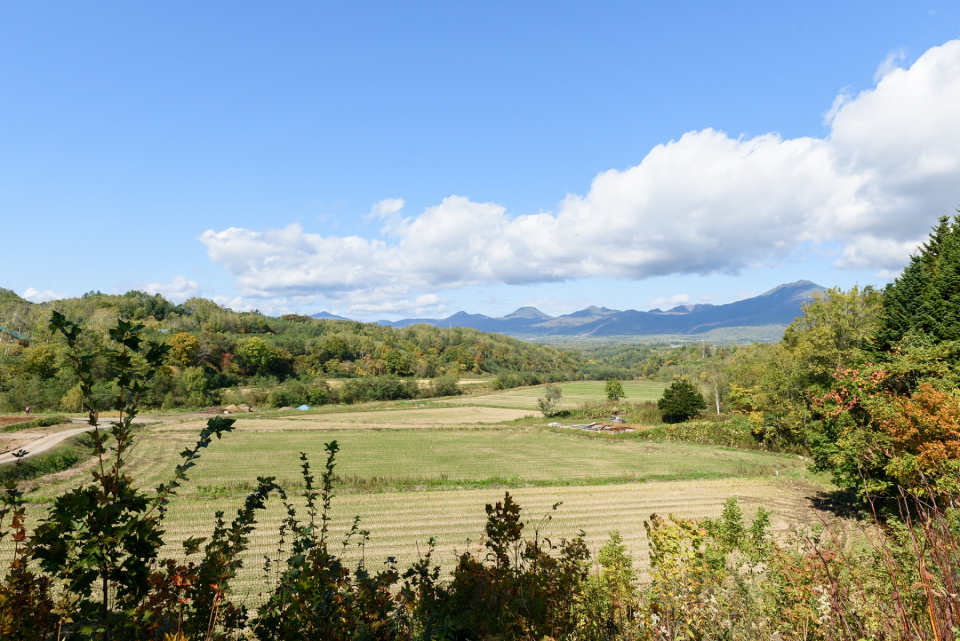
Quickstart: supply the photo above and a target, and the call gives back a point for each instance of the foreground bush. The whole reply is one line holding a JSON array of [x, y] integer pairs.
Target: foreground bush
[[736, 432]]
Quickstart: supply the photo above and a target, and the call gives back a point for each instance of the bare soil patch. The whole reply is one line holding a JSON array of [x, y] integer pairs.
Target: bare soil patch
[[12, 441]]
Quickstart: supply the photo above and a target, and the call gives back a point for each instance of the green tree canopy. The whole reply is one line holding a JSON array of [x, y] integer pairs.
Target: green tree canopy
[[614, 389], [255, 355], [925, 299], [681, 401]]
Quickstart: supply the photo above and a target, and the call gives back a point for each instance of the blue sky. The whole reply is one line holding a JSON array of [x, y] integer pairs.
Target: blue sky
[[556, 154]]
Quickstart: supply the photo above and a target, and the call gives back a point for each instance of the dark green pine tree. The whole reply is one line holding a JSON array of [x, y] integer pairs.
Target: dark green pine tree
[[924, 302], [681, 401]]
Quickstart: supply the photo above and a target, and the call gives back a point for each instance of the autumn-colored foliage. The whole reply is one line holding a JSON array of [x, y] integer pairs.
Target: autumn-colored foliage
[[924, 430]]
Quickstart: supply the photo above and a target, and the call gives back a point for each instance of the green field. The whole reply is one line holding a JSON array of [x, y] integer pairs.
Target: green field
[[449, 457], [573, 394], [416, 470]]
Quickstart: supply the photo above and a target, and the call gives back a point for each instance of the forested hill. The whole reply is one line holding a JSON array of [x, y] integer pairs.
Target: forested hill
[[298, 342], [230, 348]]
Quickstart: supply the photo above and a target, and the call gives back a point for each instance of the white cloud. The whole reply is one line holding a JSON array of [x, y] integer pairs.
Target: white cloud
[[357, 304], [891, 62], [34, 295], [886, 274], [386, 208], [670, 301], [177, 290], [366, 306], [705, 203]]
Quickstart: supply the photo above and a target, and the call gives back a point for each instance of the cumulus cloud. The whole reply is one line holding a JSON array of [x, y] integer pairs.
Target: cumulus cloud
[[891, 62], [386, 208], [670, 301], [178, 290], [34, 295], [705, 203]]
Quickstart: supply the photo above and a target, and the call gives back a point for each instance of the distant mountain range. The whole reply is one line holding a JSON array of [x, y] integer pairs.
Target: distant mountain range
[[779, 306]]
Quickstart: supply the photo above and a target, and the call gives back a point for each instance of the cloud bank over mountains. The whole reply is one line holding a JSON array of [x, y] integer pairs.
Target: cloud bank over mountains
[[703, 204]]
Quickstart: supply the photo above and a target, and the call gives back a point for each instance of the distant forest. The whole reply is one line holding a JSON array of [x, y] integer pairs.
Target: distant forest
[[218, 356]]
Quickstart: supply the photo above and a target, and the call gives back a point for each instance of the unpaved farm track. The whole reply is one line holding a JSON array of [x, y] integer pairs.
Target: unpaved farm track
[[48, 441], [43, 444]]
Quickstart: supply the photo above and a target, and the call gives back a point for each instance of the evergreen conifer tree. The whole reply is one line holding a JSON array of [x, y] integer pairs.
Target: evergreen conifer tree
[[680, 401], [925, 299]]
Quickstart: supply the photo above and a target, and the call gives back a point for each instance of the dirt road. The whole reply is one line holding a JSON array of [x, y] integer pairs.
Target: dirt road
[[37, 441], [44, 443]]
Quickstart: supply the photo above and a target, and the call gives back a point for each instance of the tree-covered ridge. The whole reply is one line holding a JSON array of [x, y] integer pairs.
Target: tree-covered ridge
[[214, 348]]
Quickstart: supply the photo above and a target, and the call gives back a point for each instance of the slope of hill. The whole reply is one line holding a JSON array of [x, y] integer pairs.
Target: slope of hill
[[777, 307]]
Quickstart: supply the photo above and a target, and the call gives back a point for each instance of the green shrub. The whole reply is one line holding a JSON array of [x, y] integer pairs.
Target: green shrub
[[735, 432], [640, 413], [292, 393], [444, 386], [508, 380], [681, 401], [319, 395], [377, 388], [550, 399]]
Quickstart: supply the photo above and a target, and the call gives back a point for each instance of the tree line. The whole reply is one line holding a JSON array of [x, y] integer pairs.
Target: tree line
[[215, 351]]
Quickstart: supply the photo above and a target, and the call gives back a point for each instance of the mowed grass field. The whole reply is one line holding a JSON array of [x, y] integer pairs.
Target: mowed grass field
[[456, 457], [574, 394], [416, 470]]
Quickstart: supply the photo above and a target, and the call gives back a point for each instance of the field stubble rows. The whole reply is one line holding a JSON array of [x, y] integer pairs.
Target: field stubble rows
[[401, 523], [472, 448]]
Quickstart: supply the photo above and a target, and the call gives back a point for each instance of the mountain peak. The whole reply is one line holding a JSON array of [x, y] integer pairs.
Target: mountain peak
[[802, 285], [683, 309], [590, 312], [327, 316], [528, 312]]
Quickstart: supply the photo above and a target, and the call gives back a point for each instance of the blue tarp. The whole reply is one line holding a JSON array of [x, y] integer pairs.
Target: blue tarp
[[16, 335], [303, 407]]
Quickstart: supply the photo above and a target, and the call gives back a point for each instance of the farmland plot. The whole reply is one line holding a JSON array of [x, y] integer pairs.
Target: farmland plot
[[574, 393], [413, 471], [454, 457], [407, 416], [401, 523]]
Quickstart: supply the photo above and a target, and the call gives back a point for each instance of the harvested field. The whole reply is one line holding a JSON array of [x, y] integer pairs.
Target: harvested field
[[412, 472], [12, 420], [574, 393], [398, 418], [446, 458], [401, 523]]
